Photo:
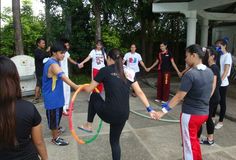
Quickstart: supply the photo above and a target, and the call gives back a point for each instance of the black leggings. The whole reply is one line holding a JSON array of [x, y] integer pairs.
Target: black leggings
[[209, 123], [96, 106], [223, 91]]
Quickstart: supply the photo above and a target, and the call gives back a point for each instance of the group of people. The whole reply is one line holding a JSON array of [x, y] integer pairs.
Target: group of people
[[200, 88]]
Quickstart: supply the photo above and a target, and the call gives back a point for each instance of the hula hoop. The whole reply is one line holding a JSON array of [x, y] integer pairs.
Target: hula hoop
[[162, 119], [73, 133], [145, 116]]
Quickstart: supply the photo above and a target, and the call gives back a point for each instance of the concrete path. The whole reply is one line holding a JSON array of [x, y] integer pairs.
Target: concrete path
[[142, 138]]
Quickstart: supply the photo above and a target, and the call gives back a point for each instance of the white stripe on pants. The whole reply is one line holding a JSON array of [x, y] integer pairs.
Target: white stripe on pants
[[190, 125]]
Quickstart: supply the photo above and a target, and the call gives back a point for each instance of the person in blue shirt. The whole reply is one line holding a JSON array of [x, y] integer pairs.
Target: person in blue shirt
[[53, 94]]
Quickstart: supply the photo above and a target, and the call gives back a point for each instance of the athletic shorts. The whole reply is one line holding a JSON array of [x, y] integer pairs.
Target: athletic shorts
[[54, 117]]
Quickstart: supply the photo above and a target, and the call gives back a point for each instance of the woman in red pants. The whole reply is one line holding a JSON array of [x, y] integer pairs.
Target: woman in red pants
[[164, 61]]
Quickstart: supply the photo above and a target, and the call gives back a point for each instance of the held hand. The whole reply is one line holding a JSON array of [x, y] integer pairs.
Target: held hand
[[153, 114], [180, 74], [148, 69], [78, 65], [81, 65], [159, 114]]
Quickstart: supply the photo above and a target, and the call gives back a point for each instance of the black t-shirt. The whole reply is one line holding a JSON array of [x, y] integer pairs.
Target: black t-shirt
[[216, 95], [117, 94], [27, 117], [164, 61], [39, 55]]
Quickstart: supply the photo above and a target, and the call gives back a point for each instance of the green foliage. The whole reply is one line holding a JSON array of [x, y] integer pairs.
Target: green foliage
[[32, 26], [80, 79]]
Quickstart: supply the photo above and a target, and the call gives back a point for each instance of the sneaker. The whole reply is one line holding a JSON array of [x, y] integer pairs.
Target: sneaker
[[157, 100], [219, 125], [163, 101], [207, 142], [59, 141]]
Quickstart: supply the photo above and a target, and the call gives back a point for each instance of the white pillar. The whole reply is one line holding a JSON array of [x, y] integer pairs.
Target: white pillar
[[191, 30], [204, 32], [191, 17]]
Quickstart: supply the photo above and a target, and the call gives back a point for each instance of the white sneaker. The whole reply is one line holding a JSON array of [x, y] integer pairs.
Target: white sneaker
[[163, 101], [218, 125], [157, 100]]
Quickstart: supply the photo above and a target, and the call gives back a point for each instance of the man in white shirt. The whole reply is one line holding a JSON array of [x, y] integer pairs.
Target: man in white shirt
[[64, 66]]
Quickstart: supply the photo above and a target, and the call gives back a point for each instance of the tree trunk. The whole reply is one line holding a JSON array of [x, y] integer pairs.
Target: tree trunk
[[48, 24], [143, 39], [68, 20], [97, 13], [19, 50]]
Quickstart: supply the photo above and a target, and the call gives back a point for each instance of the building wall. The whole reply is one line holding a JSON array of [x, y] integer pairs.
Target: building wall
[[226, 31]]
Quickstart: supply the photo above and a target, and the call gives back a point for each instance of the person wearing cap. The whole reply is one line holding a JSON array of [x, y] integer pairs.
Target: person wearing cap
[[52, 89], [195, 91]]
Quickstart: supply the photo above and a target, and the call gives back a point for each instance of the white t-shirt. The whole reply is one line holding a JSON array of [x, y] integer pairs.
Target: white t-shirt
[[132, 60], [64, 63], [225, 59], [97, 59]]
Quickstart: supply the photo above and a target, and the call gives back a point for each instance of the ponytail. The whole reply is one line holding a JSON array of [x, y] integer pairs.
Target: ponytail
[[115, 54]]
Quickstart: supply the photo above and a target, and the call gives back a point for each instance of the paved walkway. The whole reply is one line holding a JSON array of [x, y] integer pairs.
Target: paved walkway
[[142, 138]]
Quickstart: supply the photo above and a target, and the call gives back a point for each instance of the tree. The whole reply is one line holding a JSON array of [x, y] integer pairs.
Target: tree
[[19, 49], [32, 28]]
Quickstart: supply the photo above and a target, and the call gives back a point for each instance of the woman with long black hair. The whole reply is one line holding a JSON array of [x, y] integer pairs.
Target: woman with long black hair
[[20, 122], [115, 109]]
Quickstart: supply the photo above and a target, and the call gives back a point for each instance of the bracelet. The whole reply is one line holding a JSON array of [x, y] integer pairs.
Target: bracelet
[[149, 108], [165, 107]]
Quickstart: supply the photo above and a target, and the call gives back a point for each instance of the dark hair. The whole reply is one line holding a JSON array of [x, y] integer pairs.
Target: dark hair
[[65, 40], [223, 42], [165, 43], [99, 42], [212, 52], [38, 40], [115, 54], [10, 91], [58, 46], [195, 48]]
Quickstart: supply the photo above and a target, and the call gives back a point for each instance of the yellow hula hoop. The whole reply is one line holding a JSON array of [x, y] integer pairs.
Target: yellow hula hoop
[[73, 133]]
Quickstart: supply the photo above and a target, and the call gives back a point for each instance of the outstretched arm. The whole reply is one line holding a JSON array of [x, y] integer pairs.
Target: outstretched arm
[[171, 104], [91, 86], [55, 69], [143, 98], [73, 61], [175, 67], [153, 65], [143, 65], [81, 65]]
